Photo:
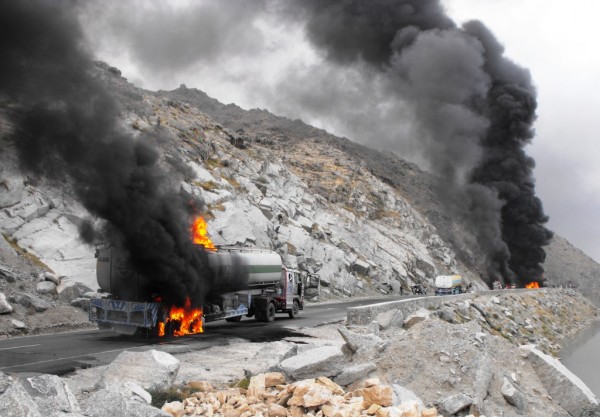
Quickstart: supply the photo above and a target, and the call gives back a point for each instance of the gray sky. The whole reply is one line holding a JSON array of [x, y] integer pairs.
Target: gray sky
[[259, 60]]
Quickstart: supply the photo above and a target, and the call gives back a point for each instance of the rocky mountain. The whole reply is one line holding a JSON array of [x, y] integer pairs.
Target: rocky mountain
[[364, 220]]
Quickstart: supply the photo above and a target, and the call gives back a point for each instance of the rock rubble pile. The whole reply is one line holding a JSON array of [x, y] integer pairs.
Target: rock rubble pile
[[268, 395]]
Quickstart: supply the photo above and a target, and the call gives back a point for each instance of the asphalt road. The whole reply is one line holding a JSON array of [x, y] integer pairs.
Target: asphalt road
[[62, 353]]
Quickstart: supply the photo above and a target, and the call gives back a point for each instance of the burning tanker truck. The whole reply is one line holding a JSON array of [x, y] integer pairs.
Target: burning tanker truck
[[268, 287]]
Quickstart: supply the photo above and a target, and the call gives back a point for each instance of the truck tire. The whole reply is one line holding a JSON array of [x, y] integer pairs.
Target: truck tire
[[270, 313], [234, 319], [294, 311]]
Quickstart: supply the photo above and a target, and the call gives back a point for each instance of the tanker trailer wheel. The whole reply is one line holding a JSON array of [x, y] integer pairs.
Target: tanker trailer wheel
[[270, 313], [294, 311], [233, 319]]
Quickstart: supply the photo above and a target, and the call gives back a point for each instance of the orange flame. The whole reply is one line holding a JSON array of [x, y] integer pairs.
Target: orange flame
[[200, 234], [532, 284], [189, 319]]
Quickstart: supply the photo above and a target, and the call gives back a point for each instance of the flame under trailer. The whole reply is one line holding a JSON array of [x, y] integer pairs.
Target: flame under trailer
[[261, 287]]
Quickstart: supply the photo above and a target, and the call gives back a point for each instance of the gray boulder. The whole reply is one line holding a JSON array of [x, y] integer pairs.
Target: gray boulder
[[361, 266], [483, 378], [403, 395], [5, 307], [14, 399], [152, 369], [52, 277], [390, 319], [70, 290], [453, 404], [513, 396], [52, 395], [447, 314], [81, 302], [17, 324], [353, 373], [6, 272], [30, 301], [11, 190], [104, 402], [116, 401], [46, 287], [322, 361], [356, 341], [417, 317], [566, 388]]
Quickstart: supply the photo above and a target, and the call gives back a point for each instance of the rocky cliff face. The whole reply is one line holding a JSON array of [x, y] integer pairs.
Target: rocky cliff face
[[365, 221]]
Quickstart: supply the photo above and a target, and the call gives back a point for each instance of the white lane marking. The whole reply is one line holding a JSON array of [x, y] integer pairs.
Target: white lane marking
[[68, 357], [18, 347]]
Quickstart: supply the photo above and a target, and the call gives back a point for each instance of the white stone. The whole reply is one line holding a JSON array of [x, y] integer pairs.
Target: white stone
[[321, 361], [15, 401], [17, 324], [565, 387], [46, 287], [68, 290], [51, 394], [5, 307], [361, 267], [11, 190], [202, 174], [151, 369]]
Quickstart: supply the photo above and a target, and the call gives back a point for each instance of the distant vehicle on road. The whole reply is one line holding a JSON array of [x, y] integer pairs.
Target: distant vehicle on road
[[419, 289], [448, 284]]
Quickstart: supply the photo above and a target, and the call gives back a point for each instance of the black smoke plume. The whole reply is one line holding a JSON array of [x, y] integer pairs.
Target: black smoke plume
[[474, 107], [66, 127]]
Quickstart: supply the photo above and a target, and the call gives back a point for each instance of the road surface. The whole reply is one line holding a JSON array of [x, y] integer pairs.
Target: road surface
[[61, 353]]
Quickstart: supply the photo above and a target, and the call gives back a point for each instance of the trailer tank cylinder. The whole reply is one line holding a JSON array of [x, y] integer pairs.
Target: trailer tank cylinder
[[238, 268]]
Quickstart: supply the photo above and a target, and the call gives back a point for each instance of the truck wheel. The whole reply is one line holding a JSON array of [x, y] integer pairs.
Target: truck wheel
[[270, 312], [294, 311]]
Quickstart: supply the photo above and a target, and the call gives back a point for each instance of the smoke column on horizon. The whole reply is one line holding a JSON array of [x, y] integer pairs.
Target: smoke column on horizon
[[474, 107], [66, 126]]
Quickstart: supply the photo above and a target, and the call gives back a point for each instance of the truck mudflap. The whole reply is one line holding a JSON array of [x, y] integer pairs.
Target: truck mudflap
[[129, 313]]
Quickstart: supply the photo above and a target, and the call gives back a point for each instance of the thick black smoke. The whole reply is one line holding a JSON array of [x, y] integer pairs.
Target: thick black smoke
[[394, 74], [66, 127], [475, 109]]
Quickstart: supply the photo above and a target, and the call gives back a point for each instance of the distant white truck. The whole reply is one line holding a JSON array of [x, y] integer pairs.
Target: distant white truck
[[448, 284]]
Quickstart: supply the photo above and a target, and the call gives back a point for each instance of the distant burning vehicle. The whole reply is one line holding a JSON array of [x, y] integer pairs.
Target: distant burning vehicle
[[250, 281]]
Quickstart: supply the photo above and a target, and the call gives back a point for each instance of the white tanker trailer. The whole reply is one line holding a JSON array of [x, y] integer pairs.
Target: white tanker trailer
[[251, 282]]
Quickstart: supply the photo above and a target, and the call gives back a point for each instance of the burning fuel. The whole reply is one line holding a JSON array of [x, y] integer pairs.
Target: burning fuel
[[200, 234], [182, 321], [532, 285]]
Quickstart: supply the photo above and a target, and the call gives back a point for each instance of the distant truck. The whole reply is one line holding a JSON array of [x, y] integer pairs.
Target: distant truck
[[448, 284]]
